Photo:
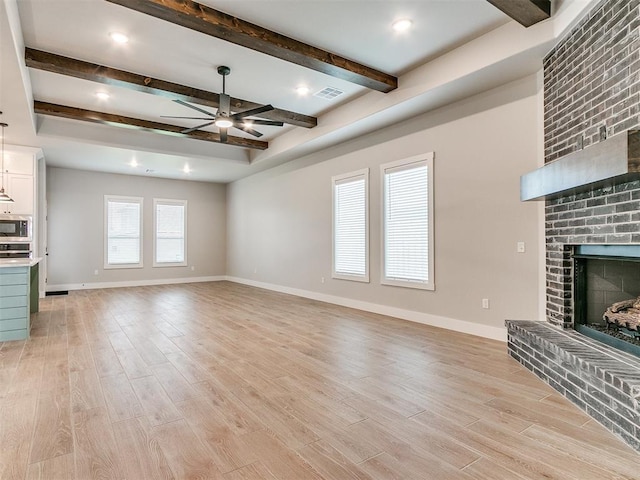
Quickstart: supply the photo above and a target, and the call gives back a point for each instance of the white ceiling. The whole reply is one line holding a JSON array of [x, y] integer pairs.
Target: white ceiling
[[455, 48]]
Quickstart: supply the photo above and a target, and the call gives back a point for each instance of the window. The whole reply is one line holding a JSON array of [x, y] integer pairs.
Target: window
[[407, 222], [123, 232], [169, 227], [351, 226]]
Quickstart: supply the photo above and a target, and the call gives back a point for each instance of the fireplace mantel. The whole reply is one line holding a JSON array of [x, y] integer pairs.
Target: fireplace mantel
[[611, 161]]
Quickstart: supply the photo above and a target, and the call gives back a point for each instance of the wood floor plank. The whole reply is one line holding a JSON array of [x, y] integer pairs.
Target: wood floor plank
[[493, 447], [96, 452], [80, 358], [86, 392], [133, 364], [187, 456], [331, 464], [281, 423], [122, 402], [621, 462], [156, 404], [174, 384], [17, 420], [188, 368], [255, 471], [28, 375], [140, 452], [228, 451], [485, 469], [279, 460], [10, 353], [106, 360], [60, 467], [52, 435], [238, 417], [546, 454]]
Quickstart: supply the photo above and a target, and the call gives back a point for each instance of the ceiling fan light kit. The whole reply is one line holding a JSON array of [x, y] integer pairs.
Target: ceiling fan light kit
[[224, 118]]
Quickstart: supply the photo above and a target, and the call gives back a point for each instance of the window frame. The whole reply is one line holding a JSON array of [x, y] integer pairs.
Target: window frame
[[122, 199], [417, 160], [364, 173], [168, 201]]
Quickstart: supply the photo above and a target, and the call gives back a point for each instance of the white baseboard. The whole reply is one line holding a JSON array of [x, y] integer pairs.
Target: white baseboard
[[462, 326], [133, 283]]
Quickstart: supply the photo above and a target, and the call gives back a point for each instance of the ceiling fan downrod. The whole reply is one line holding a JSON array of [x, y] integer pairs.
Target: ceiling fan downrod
[[224, 71]]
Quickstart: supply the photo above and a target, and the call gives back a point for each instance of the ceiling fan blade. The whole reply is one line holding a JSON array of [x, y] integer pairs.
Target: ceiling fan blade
[[188, 118], [248, 129], [253, 111], [223, 135], [193, 129], [258, 121], [225, 105], [188, 105]]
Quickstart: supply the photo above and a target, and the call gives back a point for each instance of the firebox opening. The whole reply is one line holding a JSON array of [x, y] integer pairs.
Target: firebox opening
[[607, 294]]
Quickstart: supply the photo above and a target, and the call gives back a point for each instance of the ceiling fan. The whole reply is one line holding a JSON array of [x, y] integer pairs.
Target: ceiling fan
[[224, 119]]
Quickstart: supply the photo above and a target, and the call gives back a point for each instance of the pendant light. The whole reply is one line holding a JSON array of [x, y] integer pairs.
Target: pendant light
[[4, 198]]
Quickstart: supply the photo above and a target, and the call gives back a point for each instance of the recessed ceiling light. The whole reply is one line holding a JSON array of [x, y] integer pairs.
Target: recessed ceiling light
[[302, 90], [402, 25], [118, 37], [102, 95]]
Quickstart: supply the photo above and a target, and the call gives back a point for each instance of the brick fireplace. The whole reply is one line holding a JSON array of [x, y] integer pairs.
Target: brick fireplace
[[591, 91]]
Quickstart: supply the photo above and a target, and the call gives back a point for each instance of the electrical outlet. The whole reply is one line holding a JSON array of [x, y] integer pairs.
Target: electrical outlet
[[485, 303], [520, 248], [255, 270], [96, 272], [321, 279], [193, 268]]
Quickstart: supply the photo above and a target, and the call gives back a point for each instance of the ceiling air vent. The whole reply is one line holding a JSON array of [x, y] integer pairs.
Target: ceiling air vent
[[328, 93]]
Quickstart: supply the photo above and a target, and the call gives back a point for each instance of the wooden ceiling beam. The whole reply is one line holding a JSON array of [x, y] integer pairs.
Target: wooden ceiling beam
[[525, 12], [195, 16], [74, 113], [50, 62]]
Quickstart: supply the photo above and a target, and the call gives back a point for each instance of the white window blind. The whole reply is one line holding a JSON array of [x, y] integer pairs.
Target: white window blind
[[408, 223], [170, 232], [123, 217], [350, 226]]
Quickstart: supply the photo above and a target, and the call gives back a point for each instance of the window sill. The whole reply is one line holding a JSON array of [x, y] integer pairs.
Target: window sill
[[123, 265], [162, 265], [408, 284], [352, 278]]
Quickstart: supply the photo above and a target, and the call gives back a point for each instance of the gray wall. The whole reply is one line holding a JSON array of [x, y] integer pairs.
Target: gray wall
[[76, 226], [279, 221]]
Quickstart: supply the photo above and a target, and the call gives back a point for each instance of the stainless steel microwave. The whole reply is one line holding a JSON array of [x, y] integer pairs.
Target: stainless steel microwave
[[15, 228]]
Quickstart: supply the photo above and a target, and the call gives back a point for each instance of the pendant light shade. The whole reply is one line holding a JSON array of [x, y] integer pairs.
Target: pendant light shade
[[4, 198]]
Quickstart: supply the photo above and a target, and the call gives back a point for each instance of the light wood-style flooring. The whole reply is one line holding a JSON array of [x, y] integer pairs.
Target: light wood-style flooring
[[224, 381]]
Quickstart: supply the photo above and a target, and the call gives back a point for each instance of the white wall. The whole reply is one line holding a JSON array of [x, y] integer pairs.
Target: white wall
[[279, 221], [76, 228]]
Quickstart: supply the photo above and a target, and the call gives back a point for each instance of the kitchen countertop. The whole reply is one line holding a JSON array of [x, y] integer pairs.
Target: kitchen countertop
[[19, 262]]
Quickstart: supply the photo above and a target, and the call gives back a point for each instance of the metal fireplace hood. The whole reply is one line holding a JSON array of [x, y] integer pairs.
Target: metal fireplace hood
[[611, 161]]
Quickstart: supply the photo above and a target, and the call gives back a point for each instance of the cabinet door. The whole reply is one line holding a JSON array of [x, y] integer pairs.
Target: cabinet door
[[20, 188], [20, 164]]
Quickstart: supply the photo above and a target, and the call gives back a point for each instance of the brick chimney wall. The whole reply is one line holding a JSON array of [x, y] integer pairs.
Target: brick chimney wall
[[591, 83]]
